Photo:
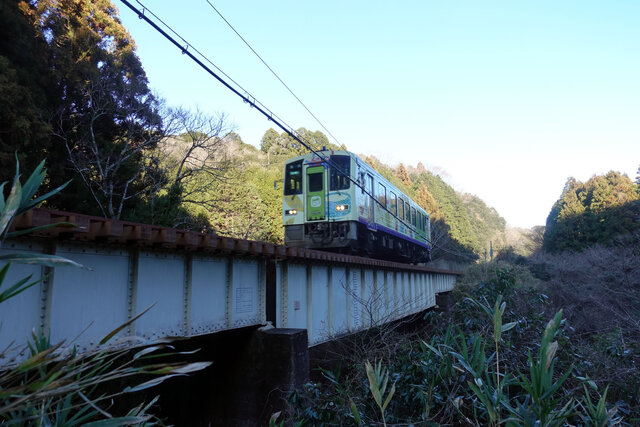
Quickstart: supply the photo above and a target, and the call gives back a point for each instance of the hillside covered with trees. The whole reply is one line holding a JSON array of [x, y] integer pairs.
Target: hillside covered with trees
[[593, 212]]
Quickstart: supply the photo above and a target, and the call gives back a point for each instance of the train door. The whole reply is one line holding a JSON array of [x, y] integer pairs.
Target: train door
[[369, 202], [316, 203]]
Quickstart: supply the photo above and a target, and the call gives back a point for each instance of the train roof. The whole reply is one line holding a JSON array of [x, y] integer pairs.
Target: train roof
[[310, 156], [370, 168]]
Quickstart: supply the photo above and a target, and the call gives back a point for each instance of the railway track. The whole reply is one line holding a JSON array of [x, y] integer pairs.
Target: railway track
[[103, 230]]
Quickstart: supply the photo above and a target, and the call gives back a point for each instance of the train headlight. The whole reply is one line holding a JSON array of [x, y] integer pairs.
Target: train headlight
[[341, 208], [290, 212]]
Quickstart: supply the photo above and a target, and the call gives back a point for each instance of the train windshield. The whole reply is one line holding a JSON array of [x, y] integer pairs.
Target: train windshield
[[339, 173], [293, 178]]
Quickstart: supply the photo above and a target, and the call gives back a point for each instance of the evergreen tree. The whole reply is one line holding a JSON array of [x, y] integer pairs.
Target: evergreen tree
[[403, 175], [592, 212], [425, 200], [25, 94], [269, 139], [102, 113]]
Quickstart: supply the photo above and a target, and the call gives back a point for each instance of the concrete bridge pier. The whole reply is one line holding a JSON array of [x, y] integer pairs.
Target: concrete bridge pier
[[444, 301], [253, 372], [276, 364]]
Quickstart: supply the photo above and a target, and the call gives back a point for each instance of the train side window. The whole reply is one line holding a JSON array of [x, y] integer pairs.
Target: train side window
[[407, 212], [418, 220], [293, 178], [339, 172], [400, 208], [413, 216], [382, 195], [393, 203]]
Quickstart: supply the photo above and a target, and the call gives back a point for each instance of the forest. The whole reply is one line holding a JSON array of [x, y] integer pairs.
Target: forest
[[545, 325]]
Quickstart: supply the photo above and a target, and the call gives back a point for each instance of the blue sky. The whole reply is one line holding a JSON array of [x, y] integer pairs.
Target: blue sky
[[506, 98]]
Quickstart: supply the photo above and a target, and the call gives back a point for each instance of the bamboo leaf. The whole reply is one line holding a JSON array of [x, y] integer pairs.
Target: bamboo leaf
[[389, 396], [433, 349], [484, 399], [124, 325], [550, 354], [38, 358], [33, 182], [463, 362], [373, 385], [148, 384], [11, 207], [40, 228], [191, 367], [33, 203], [2, 196], [18, 288], [508, 326], [3, 272], [480, 305], [148, 350], [120, 421], [39, 259], [355, 413]]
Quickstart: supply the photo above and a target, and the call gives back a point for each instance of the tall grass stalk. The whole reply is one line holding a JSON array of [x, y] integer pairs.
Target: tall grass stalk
[[378, 380]]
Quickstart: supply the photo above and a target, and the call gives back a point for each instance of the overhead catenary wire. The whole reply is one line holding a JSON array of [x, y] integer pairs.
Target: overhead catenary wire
[[187, 49], [273, 72]]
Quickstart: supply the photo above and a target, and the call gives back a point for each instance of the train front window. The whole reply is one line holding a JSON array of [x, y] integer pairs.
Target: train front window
[[339, 171], [293, 178], [315, 181]]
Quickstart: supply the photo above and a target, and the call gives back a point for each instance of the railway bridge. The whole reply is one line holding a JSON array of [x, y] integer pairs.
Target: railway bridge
[[190, 284]]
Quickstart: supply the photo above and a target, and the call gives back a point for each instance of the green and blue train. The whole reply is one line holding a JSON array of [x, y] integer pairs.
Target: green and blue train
[[335, 201]]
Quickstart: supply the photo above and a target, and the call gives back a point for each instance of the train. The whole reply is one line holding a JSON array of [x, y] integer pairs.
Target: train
[[335, 201]]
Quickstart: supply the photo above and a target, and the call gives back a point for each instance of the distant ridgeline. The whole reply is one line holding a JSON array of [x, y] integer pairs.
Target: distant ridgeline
[[596, 211]]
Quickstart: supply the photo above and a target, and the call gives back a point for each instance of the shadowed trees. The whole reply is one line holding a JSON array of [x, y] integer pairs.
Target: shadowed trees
[[26, 89], [74, 91]]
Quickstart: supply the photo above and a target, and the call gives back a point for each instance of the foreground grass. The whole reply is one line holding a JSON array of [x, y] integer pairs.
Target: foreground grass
[[512, 351]]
